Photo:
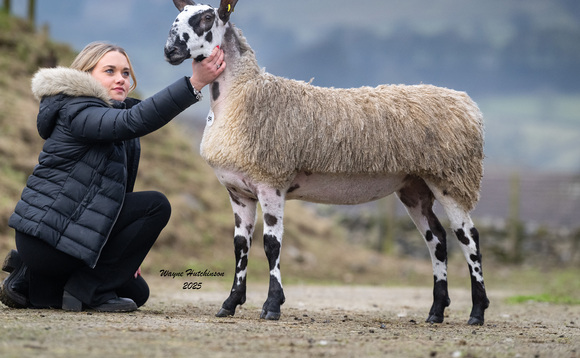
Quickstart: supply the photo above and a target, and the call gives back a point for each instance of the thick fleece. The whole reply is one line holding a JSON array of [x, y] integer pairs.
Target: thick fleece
[[272, 127]]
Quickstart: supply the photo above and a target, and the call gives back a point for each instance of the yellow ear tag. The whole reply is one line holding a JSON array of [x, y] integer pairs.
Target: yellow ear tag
[[229, 7]]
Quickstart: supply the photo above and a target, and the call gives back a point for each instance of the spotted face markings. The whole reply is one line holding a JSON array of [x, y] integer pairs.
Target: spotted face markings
[[238, 220], [179, 45], [202, 22]]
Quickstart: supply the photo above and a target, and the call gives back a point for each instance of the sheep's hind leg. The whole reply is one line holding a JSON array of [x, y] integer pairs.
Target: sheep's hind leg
[[245, 220], [418, 199], [272, 202], [468, 236]]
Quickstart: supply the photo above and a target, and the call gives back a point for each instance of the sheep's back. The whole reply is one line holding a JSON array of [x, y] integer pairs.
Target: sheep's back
[[275, 127]]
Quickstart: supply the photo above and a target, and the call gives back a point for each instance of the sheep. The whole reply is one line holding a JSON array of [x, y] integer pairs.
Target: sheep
[[271, 139]]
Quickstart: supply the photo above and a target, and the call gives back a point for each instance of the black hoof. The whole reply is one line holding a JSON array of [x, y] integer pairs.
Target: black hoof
[[269, 315], [225, 313], [474, 321], [434, 319]]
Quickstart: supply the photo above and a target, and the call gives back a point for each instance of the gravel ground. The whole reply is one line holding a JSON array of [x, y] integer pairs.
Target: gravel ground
[[317, 321]]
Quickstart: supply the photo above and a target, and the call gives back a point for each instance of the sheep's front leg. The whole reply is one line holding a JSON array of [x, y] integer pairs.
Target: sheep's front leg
[[245, 221], [272, 202]]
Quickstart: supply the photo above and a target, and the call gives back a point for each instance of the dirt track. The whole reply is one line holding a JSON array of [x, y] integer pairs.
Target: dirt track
[[317, 321]]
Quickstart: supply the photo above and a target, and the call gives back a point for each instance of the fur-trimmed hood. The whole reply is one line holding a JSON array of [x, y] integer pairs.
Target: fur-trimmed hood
[[62, 80], [54, 86]]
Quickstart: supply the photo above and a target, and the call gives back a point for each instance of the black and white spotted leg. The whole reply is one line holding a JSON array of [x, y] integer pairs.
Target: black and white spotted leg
[[468, 236], [418, 200], [272, 202], [245, 220]]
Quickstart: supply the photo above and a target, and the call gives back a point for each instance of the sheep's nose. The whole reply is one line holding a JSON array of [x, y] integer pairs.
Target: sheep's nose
[[170, 51]]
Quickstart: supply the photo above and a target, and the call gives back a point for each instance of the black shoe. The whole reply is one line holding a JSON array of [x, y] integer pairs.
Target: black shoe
[[119, 304], [71, 303], [14, 290]]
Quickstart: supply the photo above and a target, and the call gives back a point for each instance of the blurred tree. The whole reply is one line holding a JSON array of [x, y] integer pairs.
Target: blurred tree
[[7, 6], [31, 11], [515, 225]]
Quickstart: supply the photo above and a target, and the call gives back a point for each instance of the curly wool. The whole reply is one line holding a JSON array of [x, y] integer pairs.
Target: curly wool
[[274, 127]]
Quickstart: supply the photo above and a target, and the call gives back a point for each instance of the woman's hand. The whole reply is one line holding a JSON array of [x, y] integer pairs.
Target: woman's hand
[[208, 70]]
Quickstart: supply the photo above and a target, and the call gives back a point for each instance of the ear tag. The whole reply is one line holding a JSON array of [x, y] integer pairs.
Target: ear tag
[[229, 7], [210, 118]]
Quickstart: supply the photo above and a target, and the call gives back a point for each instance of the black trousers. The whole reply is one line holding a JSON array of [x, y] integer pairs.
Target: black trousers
[[143, 216]]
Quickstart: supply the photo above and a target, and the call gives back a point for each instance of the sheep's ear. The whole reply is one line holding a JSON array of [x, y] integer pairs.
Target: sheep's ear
[[226, 8], [180, 4]]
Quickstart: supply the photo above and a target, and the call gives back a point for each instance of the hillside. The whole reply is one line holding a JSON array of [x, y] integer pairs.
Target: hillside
[[200, 231]]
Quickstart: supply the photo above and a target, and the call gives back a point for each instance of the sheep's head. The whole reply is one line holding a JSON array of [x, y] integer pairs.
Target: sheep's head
[[196, 30]]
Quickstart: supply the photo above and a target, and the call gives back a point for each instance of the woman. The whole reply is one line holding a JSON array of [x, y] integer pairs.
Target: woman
[[81, 231]]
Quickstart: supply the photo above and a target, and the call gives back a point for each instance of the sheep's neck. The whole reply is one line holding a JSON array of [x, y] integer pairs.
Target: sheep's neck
[[241, 66]]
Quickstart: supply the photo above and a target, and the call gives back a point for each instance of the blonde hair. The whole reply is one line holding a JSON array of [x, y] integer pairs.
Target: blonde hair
[[88, 58]]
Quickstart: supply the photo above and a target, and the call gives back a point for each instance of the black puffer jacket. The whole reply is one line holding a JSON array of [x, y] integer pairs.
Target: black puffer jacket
[[89, 160]]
